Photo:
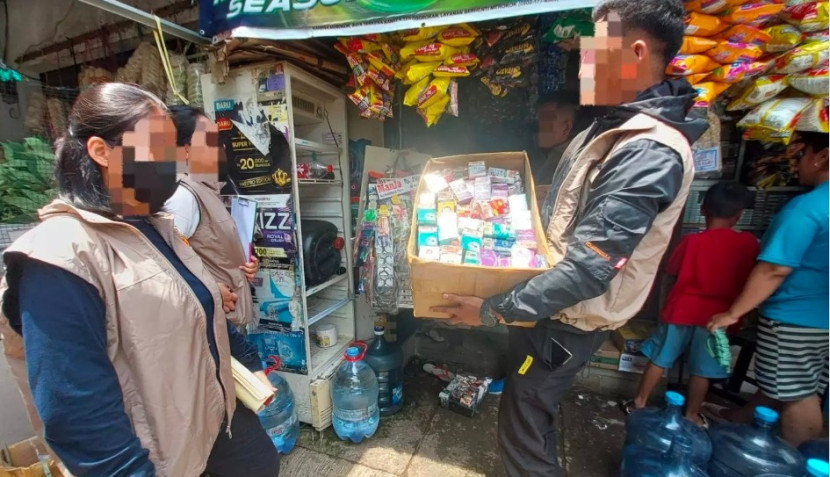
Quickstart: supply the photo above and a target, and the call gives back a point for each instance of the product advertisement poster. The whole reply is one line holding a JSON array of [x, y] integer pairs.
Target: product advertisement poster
[[252, 116], [299, 19], [274, 234], [289, 346]]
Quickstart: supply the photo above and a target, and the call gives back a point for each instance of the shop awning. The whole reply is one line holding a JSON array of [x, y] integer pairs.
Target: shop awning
[[301, 19]]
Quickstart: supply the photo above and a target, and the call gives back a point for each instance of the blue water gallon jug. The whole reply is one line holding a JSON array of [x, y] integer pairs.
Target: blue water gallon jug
[[655, 429], [816, 449], [354, 397], [677, 462], [386, 359], [748, 451], [815, 468], [279, 418]]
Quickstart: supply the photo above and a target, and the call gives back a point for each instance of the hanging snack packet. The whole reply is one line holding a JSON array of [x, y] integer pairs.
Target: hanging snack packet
[[745, 34], [710, 7], [434, 52], [682, 65], [814, 117], [693, 45], [700, 24], [391, 52], [738, 71], [377, 62], [407, 51], [420, 34], [359, 45], [707, 91], [518, 52], [808, 17], [452, 105], [803, 58], [459, 35], [695, 79], [761, 90], [445, 71], [727, 52], [435, 90], [783, 37], [569, 25], [754, 13], [384, 82], [815, 82], [433, 113], [774, 120], [418, 71], [462, 59], [410, 98], [817, 36]]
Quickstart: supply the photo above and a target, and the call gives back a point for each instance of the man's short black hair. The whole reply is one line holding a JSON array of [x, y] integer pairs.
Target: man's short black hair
[[814, 141], [662, 20], [562, 99], [726, 199]]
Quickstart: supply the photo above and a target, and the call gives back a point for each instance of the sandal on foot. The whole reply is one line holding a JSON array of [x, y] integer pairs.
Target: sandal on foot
[[627, 406]]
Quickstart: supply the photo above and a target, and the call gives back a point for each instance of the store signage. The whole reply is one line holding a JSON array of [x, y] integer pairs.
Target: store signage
[[386, 188], [298, 19]]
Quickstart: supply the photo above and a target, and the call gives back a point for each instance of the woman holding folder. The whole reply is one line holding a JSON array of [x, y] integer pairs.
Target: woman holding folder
[[127, 349], [201, 216]]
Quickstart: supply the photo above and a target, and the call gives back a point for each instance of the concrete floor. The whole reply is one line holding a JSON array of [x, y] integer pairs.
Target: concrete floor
[[424, 440]]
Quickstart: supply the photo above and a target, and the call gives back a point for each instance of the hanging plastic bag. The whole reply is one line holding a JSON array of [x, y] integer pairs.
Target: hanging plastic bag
[[783, 37], [761, 90], [774, 120], [813, 82], [803, 58], [814, 118], [807, 17]]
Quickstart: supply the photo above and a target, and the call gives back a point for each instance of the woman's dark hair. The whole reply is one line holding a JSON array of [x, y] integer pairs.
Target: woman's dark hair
[[184, 117], [726, 199], [815, 141], [106, 111]]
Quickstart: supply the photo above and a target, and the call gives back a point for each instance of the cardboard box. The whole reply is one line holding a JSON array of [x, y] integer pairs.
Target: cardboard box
[[630, 337], [21, 460], [430, 280], [606, 357], [633, 363]]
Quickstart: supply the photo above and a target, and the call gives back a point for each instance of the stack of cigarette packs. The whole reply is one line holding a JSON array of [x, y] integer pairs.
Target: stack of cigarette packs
[[476, 216]]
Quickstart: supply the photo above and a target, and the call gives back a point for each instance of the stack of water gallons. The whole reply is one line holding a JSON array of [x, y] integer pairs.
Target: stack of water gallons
[[367, 385], [663, 443]]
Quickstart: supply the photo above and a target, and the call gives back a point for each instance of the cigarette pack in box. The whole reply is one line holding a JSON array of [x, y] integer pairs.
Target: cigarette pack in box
[[427, 236], [470, 241], [431, 280], [517, 202], [481, 189], [427, 216], [451, 254], [448, 228], [633, 363], [429, 253], [476, 169], [445, 206], [497, 175], [462, 191], [471, 257], [435, 183]]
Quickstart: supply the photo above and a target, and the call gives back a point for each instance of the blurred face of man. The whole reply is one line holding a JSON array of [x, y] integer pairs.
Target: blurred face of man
[[614, 66], [555, 125]]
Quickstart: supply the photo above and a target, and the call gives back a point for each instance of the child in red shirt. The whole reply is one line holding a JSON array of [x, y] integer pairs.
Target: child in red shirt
[[711, 268]]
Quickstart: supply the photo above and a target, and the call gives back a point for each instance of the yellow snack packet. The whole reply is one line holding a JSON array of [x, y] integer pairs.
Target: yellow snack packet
[[693, 45], [727, 52], [738, 71], [707, 91], [434, 52], [436, 89], [458, 35], [782, 38], [445, 71], [753, 13], [806, 56], [762, 89], [700, 24], [359, 45], [408, 50], [401, 74], [745, 34], [433, 113], [710, 7], [418, 71], [695, 79], [683, 65], [774, 120], [462, 59], [808, 17], [410, 98], [420, 34], [814, 117]]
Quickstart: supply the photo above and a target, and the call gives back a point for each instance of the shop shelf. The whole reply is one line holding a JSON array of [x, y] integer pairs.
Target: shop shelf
[[311, 146], [318, 288], [319, 181], [320, 357], [319, 308]]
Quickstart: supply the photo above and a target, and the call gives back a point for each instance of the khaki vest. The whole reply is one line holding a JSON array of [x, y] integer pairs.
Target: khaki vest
[[156, 334], [629, 289], [217, 243]]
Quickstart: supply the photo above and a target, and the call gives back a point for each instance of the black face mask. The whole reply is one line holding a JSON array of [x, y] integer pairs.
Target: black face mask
[[153, 182]]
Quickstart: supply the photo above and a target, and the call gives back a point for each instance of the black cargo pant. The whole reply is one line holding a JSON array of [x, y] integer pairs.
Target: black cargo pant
[[534, 386], [249, 452]]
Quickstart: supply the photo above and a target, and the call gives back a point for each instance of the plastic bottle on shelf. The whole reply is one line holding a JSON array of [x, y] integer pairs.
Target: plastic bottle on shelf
[[677, 462], [354, 395], [748, 451], [279, 418], [655, 429], [386, 360]]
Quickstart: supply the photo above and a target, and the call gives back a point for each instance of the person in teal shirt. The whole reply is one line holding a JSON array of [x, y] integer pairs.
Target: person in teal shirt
[[790, 284]]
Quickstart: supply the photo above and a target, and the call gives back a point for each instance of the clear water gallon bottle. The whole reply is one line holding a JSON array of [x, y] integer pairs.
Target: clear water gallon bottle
[[748, 451], [354, 396], [279, 418], [387, 361], [655, 429], [677, 462]]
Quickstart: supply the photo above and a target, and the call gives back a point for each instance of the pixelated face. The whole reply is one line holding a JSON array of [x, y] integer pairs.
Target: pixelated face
[[555, 124], [811, 164], [141, 171], [612, 65], [204, 156]]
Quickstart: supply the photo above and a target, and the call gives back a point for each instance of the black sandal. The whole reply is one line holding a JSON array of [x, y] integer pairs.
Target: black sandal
[[627, 406]]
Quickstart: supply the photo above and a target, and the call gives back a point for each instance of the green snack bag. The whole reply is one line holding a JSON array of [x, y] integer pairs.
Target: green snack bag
[[570, 25]]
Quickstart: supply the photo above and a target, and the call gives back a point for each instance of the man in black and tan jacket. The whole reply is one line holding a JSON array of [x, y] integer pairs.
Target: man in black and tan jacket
[[614, 200]]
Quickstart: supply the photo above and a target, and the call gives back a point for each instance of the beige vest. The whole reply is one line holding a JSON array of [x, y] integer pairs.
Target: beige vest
[[629, 289], [156, 335], [217, 243]]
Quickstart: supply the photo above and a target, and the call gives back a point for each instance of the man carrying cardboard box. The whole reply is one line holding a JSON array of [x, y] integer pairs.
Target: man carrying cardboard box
[[614, 200]]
